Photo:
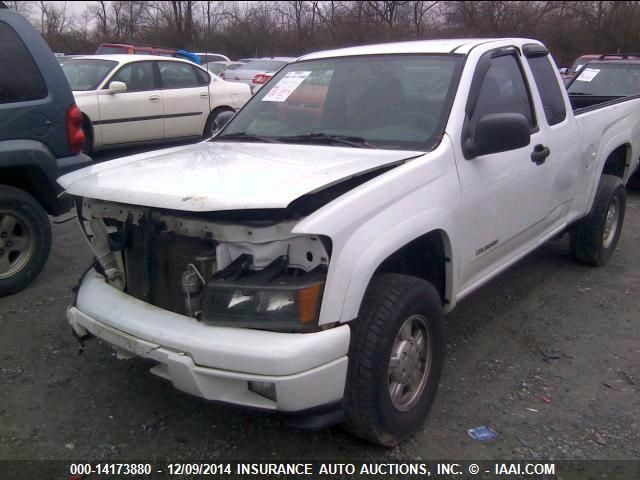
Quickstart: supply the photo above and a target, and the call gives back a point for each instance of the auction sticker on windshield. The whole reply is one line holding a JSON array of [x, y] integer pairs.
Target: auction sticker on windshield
[[286, 86], [588, 74]]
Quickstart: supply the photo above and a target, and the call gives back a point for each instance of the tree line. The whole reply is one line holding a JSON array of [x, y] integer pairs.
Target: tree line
[[261, 28]]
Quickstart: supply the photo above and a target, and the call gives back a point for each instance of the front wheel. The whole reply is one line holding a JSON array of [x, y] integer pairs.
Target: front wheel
[[395, 359], [595, 236], [25, 239]]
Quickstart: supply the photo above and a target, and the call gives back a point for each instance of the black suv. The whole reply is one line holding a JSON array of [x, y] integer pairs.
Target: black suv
[[41, 138]]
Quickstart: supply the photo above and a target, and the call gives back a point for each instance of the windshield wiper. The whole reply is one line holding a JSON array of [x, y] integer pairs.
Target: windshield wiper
[[246, 136], [320, 137], [579, 93]]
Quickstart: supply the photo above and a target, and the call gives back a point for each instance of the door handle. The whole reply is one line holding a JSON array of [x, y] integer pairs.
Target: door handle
[[154, 98], [204, 95], [540, 154]]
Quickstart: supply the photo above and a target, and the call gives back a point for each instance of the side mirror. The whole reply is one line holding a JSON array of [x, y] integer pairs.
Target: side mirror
[[117, 87], [223, 118], [498, 132], [564, 70]]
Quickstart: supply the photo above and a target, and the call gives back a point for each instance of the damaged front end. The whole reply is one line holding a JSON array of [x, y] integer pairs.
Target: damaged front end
[[250, 273]]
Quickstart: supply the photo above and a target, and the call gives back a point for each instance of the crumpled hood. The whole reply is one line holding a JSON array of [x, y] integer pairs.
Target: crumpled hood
[[214, 176]]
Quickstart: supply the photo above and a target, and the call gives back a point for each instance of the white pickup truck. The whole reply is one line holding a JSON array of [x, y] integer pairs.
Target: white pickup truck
[[303, 259]]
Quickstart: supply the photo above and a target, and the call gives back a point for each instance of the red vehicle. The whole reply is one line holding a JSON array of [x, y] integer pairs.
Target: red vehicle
[[134, 49]]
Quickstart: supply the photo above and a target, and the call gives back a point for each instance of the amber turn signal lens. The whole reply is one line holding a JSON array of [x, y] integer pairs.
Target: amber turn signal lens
[[308, 303]]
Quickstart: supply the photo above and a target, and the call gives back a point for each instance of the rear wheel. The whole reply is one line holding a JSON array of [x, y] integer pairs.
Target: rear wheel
[[395, 359], [210, 127], [595, 236], [25, 239]]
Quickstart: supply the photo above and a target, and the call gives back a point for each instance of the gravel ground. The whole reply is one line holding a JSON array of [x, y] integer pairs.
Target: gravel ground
[[547, 354]]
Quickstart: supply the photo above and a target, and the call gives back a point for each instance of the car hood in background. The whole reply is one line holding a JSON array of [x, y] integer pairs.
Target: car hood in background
[[215, 176]]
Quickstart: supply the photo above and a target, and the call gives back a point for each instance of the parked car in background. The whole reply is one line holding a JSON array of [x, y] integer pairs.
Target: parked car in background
[[582, 60], [127, 99], [63, 58], [257, 72], [134, 49], [218, 67], [603, 81], [41, 138], [229, 70], [212, 57]]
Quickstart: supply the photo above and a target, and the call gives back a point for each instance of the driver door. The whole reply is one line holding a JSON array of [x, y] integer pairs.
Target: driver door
[[504, 194]]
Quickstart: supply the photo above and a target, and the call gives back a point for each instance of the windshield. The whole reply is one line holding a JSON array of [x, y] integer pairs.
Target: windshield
[[264, 65], [578, 64], [383, 101], [607, 80], [86, 74]]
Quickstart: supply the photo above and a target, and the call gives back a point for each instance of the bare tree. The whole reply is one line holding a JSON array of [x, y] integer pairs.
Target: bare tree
[[53, 19], [20, 7], [420, 11]]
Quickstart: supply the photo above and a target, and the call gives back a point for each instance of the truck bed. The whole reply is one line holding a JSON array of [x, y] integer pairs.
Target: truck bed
[[585, 103]]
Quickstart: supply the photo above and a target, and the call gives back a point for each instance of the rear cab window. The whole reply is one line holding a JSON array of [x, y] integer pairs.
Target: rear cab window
[[15, 57]]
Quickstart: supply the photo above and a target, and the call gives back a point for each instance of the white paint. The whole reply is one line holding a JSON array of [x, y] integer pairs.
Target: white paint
[[224, 175], [233, 349]]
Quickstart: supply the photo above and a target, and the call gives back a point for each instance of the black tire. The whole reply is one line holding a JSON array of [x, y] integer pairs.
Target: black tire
[[591, 242], [210, 127], [31, 226], [390, 301]]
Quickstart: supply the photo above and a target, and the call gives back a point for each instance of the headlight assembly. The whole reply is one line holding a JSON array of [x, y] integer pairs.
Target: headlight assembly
[[274, 298]]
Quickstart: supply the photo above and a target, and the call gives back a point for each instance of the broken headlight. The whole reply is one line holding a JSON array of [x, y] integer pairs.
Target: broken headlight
[[275, 298]]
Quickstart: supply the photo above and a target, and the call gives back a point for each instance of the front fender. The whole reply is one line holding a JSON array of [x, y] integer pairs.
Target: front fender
[[375, 219]]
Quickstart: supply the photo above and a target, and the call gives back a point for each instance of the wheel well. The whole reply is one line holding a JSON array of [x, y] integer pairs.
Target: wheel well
[[425, 257], [223, 108], [616, 163], [214, 112], [32, 181]]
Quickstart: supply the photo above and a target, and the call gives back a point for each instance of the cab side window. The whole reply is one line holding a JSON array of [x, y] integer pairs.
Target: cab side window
[[504, 91], [138, 76], [550, 93]]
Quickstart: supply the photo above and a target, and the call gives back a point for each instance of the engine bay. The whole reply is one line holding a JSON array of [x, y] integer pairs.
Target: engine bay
[[252, 274]]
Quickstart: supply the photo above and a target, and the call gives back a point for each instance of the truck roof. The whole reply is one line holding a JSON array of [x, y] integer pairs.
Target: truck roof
[[459, 45]]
